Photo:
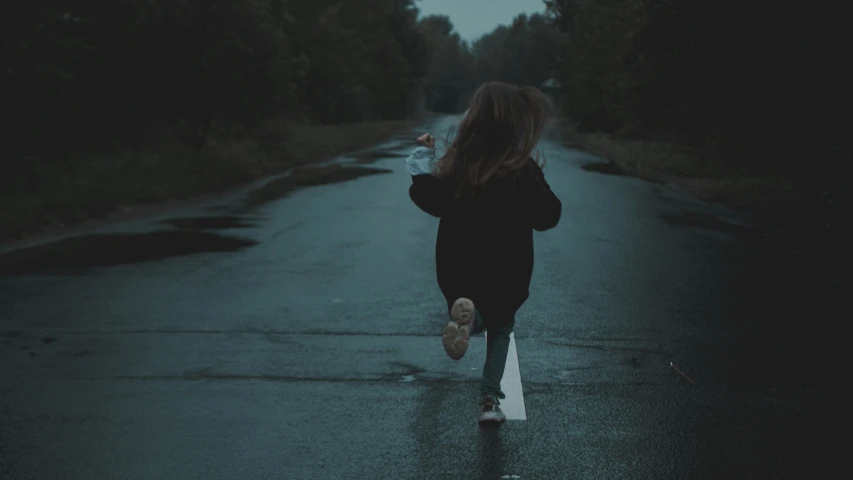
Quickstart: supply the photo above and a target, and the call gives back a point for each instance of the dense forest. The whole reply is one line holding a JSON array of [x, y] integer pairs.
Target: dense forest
[[739, 79], [743, 83], [79, 73]]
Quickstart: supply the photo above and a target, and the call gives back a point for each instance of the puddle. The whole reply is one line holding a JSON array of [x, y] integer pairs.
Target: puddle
[[209, 223], [371, 156], [307, 177], [89, 251], [609, 168]]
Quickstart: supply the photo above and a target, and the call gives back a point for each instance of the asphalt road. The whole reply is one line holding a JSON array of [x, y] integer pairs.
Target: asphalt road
[[301, 340]]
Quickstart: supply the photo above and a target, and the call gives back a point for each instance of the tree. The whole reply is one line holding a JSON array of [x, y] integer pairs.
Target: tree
[[92, 75], [448, 79]]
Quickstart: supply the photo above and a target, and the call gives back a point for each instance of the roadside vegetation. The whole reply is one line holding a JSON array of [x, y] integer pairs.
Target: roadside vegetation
[[119, 102], [111, 104]]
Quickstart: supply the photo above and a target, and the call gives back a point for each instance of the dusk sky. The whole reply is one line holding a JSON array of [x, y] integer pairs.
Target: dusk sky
[[473, 18]]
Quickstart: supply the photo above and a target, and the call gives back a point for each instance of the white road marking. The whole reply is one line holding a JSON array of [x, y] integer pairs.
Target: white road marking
[[513, 404]]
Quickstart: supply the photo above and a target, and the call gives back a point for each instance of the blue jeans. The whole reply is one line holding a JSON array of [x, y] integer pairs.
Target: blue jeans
[[498, 327]]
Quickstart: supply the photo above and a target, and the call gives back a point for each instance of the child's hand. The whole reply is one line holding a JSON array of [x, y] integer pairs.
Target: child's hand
[[426, 140]]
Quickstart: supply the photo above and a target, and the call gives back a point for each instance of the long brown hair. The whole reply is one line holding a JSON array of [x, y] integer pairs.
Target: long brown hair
[[497, 135]]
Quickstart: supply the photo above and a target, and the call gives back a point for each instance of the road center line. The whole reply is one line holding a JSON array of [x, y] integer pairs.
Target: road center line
[[513, 404]]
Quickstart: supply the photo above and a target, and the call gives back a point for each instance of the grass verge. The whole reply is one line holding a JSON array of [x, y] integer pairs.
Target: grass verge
[[799, 212], [82, 188], [757, 192]]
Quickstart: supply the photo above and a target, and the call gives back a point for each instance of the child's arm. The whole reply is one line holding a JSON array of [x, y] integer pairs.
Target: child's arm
[[541, 206], [430, 194]]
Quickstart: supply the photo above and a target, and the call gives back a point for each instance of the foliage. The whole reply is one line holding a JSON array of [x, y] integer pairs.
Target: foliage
[[82, 74], [742, 82], [732, 79]]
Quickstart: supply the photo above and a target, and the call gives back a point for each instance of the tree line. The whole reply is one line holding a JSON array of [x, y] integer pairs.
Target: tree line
[[736, 79], [82, 73], [740, 82], [745, 82]]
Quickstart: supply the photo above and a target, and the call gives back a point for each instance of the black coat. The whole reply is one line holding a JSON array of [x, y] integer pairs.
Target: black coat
[[484, 249]]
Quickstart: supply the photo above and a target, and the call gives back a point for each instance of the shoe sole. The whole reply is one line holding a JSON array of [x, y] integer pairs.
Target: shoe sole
[[491, 418], [458, 330]]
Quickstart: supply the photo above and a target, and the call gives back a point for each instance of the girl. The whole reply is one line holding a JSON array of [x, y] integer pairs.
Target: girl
[[490, 195]]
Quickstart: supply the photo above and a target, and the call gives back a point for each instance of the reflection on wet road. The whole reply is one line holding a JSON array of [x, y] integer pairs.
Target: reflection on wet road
[[116, 249], [293, 331]]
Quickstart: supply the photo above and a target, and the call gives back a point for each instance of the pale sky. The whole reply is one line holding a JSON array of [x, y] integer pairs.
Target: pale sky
[[473, 18]]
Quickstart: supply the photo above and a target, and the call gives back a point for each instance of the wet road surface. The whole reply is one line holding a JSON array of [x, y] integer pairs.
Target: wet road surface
[[298, 338]]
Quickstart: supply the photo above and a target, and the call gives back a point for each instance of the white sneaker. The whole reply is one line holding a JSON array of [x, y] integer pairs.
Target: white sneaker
[[490, 412]]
